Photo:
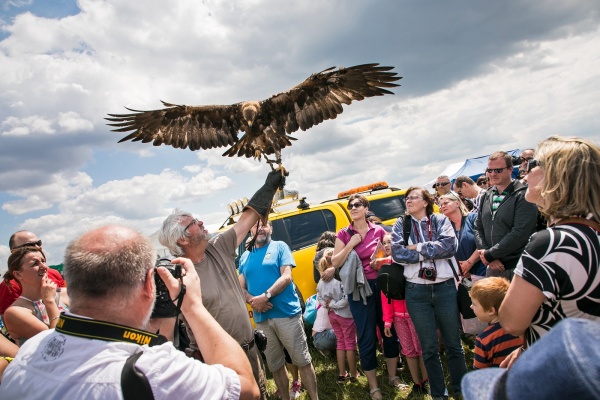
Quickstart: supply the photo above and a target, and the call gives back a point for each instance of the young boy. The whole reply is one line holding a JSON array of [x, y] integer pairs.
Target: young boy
[[493, 344]]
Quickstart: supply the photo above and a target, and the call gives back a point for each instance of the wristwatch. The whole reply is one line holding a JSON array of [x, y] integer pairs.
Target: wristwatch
[[268, 295]]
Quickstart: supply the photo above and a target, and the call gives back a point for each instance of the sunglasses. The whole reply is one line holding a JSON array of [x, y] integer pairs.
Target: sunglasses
[[496, 170], [441, 184], [28, 244], [411, 198], [194, 222], [354, 205], [531, 164]]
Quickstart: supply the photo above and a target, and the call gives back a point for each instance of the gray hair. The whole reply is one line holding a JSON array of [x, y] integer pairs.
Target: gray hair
[[107, 262], [172, 231]]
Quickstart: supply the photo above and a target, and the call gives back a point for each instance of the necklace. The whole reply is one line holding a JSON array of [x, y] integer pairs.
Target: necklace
[[25, 298]]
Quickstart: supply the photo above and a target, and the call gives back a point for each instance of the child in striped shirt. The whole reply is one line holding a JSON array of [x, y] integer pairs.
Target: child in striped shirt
[[494, 343]]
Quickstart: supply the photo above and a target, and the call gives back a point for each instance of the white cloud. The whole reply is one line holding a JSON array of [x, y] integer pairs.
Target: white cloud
[[72, 122], [476, 79], [26, 126]]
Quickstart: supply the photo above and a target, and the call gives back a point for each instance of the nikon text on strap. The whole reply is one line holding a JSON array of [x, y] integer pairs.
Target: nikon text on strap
[[108, 331]]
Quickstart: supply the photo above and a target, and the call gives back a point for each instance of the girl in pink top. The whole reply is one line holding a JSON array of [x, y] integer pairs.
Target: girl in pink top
[[395, 313]]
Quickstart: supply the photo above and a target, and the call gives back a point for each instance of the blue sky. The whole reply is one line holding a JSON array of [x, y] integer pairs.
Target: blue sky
[[477, 77]]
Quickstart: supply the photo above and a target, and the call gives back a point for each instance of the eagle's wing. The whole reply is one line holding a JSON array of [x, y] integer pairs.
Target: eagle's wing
[[320, 97], [201, 127]]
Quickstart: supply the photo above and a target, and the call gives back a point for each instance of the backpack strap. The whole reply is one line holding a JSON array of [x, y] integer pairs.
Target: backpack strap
[[134, 383], [406, 228]]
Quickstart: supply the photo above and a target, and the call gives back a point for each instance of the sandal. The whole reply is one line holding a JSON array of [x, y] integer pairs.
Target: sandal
[[342, 378], [354, 379], [397, 383], [375, 394]]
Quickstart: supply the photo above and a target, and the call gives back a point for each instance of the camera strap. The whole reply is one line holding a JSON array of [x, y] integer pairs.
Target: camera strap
[[179, 299], [107, 331]]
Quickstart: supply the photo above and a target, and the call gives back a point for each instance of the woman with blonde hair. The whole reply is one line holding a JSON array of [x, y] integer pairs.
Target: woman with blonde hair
[[37, 308], [462, 221], [558, 275]]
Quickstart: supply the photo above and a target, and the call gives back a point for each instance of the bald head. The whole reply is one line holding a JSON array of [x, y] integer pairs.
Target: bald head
[[108, 261], [111, 238], [20, 238]]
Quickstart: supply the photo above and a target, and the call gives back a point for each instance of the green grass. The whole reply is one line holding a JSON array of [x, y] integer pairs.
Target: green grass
[[327, 372]]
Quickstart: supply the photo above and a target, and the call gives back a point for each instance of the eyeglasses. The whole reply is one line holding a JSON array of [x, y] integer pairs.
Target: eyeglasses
[[194, 222], [28, 244], [354, 205], [411, 198], [496, 170], [531, 164], [438, 184]]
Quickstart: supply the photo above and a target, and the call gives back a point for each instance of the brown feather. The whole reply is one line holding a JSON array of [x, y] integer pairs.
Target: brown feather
[[264, 126]]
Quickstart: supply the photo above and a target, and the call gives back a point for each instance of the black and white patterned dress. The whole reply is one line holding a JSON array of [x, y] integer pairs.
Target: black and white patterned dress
[[563, 262]]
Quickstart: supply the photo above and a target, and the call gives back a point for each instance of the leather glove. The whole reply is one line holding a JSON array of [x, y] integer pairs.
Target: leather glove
[[262, 200]]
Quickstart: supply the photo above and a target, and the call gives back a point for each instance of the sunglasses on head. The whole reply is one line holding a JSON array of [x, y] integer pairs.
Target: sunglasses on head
[[531, 164], [496, 170], [441, 184], [28, 244], [354, 205]]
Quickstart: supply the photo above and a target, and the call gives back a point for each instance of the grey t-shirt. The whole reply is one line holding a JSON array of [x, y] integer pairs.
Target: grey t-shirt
[[222, 294]]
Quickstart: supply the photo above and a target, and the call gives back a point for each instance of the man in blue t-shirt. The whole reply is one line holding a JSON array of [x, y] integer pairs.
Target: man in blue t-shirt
[[266, 278]]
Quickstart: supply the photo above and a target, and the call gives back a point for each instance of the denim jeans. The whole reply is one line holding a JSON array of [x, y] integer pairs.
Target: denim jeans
[[367, 318], [430, 306], [325, 340]]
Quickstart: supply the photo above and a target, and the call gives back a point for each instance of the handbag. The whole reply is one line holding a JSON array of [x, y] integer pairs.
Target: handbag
[[390, 277], [463, 286], [310, 312], [391, 281]]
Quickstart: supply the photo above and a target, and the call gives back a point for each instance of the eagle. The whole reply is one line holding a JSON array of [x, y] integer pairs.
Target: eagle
[[257, 128]]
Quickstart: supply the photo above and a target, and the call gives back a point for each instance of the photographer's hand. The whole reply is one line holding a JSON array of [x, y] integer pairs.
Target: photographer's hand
[[193, 294]]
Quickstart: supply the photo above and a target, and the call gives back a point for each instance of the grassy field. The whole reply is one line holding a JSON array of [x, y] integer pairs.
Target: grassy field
[[327, 372]]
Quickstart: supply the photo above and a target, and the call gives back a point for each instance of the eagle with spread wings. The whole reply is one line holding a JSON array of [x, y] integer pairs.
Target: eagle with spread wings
[[257, 128]]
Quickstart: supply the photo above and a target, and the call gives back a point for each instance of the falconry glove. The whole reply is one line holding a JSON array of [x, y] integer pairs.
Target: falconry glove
[[262, 200]]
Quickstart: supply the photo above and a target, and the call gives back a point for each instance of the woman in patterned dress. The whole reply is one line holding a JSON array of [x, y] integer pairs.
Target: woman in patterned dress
[[558, 274]]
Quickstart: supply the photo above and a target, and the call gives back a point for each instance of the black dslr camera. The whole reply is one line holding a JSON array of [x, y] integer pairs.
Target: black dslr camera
[[517, 160], [428, 273], [163, 306]]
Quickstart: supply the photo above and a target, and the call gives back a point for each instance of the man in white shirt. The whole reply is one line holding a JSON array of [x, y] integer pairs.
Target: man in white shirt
[[110, 271]]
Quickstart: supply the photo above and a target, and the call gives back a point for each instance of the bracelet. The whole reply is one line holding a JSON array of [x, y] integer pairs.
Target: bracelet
[[57, 317], [8, 359]]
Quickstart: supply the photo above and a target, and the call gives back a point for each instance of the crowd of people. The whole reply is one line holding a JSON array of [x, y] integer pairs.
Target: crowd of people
[[95, 340]]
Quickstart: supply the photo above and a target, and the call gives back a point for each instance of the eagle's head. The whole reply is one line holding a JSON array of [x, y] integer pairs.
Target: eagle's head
[[250, 110]]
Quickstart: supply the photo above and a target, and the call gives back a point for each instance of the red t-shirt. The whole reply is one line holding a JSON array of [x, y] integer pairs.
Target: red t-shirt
[[7, 297]]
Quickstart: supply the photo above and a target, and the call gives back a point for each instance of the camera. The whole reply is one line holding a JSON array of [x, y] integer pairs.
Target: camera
[[163, 306], [517, 160], [428, 273]]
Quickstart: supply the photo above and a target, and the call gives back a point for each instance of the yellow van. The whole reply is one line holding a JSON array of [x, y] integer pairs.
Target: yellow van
[[300, 224]]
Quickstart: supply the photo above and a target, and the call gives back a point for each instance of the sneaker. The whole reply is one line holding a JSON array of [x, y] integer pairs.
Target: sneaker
[[295, 391], [418, 390]]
